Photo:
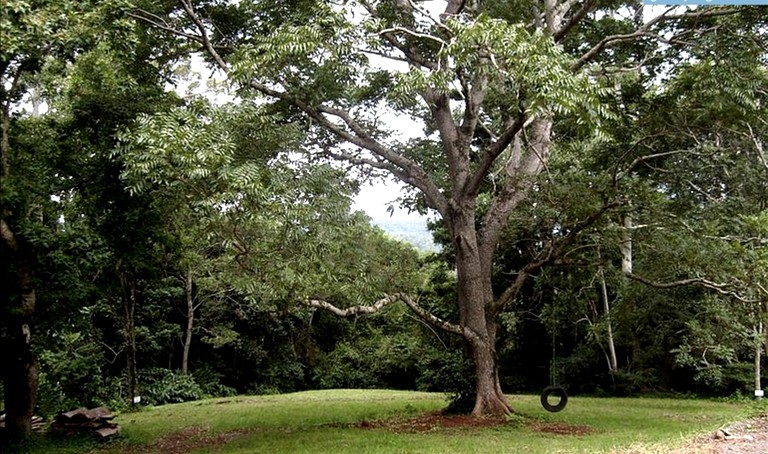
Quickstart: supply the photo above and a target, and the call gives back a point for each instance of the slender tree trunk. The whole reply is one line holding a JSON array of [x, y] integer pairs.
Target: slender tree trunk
[[190, 323], [626, 268], [21, 371], [758, 351], [129, 325], [765, 331], [626, 245], [613, 363]]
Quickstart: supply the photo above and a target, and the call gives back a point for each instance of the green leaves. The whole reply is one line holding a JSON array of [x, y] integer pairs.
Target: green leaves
[[514, 61], [316, 61]]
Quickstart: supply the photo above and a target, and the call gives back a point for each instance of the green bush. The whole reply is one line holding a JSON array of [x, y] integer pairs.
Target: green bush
[[449, 371], [346, 367], [210, 382], [163, 386], [71, 374]]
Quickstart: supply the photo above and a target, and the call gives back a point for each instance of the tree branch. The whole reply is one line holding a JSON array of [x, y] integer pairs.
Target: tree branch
[[158, 22], [412, 56], [585, 9], [550, 255], [382, 303], [521, 169], [644, 30], [204, 35], [410, 172], [492, 153], [719, 287], [639, 160]]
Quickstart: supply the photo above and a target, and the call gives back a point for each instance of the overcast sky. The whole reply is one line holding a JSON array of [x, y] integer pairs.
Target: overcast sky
[[374, 200]]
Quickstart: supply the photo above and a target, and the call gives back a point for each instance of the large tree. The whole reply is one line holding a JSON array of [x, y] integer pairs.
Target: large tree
[[482, 85], [33, 36]]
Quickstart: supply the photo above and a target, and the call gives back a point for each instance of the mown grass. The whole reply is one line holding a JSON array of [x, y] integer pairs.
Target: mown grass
[[328, 421]]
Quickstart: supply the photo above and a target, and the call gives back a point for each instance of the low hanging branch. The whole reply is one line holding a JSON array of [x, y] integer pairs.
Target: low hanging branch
[[382, 303]]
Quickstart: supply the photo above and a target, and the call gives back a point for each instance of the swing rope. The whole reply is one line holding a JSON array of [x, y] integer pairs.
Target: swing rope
[[554, 389], [552, 368]]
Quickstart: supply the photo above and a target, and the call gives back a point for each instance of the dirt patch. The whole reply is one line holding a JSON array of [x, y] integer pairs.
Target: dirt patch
[[747, 437], [187, 440], [438, 421], [435, 421], [561, 428]]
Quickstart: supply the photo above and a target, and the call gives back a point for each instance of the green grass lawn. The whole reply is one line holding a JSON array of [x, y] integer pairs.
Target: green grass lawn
[[330, 422]]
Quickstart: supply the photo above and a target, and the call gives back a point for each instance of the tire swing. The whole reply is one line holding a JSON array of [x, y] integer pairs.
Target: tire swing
[[554, 390]]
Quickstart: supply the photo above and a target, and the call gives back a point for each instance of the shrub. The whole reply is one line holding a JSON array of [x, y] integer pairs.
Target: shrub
[[449, 371], [163, 386]]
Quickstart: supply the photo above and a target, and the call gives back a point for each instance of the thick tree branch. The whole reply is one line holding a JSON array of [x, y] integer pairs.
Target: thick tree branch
[[384, 302], [475, 181], [411, 173], [552, 254], [453, 7], [474, 95], [455, 146], [521, 169]]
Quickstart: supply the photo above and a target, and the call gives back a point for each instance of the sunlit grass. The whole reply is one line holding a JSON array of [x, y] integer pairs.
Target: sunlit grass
[[328, 421]]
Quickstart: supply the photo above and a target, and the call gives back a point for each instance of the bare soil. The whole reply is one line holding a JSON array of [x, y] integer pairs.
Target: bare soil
[[187, 440], [746, 437], [434, 421]]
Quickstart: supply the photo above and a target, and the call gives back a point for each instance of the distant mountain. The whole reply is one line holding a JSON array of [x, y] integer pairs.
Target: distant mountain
[[413, 231]]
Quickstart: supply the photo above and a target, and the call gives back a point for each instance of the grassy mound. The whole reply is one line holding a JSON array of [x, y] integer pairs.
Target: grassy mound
[[357, 421]]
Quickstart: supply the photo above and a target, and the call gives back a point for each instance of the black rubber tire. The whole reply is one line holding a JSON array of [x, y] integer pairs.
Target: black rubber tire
[[557, 391]]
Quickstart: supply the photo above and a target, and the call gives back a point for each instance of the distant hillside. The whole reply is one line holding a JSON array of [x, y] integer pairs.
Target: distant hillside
[[412, 231]]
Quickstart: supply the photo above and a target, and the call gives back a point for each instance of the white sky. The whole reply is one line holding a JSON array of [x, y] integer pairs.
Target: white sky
[[376, 197]]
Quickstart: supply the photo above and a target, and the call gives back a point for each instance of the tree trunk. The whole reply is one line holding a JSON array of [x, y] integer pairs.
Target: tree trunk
[[626, 267], [626, 245], [489, 399], [190, 323], [475, 297], [21, 374], [129, 325], [613, 364], [758, 351]]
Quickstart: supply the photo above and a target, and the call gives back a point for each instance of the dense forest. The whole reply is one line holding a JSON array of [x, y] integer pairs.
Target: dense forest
[[595, 172]]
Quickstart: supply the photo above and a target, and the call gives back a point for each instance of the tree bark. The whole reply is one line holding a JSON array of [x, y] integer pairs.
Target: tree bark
[[480, 326], [21, 371], [613, 364], [21, 374], [626, 245], [758, 354], [129, 326], [190, 323]]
